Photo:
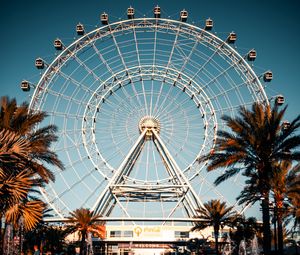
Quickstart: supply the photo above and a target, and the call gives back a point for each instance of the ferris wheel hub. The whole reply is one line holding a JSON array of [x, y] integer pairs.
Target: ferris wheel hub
[[150, 123]]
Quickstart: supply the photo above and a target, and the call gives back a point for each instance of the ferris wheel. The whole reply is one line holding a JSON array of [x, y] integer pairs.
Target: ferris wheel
[[137, 102]]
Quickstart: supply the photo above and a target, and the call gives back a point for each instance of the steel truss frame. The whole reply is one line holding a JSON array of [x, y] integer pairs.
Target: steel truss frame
[[179, 190]]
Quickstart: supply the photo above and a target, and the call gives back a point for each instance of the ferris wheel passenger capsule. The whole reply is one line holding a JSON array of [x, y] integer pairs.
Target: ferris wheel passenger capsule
[[130, 13], [39, 63], [268, 76], [156, 12], [25, 86], [104, 18], [58, 44], [279, 100], [231, 38], [80, 29], [285, 125], [183, 15], [251, 55], [209, 24]]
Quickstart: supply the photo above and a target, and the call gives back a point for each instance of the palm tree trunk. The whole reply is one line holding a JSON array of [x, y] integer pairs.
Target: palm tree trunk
[[82, 243], [266, 225], [216, 230], [275, 231], [1, 236], [280, 233]]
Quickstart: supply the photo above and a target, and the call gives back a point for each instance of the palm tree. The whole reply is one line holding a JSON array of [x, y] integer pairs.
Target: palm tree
[[33, 147], [24, 149], [254, 143], [283, 178], [216, 214], [48, 237], [283, 185], [85, 222], [293, 194]]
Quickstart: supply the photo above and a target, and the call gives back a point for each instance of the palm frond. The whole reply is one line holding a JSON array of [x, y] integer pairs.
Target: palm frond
[[228, 173]]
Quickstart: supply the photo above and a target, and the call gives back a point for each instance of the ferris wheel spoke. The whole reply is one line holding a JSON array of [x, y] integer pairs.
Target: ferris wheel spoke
[[110, 69], [170, 109], [232, 108], [100, 184], [134, 99], [126, 69], [56, 197], [167, 97], [206, 62], [216, 77], [122, 102], [227, 91], [62, 96], [77, 183], [188, 58], [139, 64], [88, 70], [154, 47], [169, 62], [68, 187], [102, 59], [75, 82]]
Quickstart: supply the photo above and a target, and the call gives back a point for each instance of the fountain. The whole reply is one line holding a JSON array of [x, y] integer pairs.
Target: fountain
[[254, 246], [242, 248], [227, 248]]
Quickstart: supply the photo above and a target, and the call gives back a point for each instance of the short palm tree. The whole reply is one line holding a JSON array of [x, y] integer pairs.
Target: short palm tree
[[48, 237], [216, 214], [84, 221], [254, 143]]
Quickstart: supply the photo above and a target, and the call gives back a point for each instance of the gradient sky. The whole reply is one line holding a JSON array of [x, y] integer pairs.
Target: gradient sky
[[270, 27]]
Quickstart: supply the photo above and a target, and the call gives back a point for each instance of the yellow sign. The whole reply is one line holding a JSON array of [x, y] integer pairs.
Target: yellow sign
[[152, 229], [147, 231], [137, 230]]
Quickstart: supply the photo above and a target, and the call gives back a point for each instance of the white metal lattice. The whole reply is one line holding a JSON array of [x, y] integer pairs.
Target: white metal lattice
[[99, 88]]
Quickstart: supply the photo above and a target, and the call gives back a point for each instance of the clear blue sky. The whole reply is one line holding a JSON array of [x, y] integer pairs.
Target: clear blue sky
[[271, 27]]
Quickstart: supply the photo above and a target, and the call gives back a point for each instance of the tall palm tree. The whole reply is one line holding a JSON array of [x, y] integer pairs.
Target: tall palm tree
[[283, 179], [24, 151], [216, 214], [293, 194], [283, 185], [254, 143], [84, 221]]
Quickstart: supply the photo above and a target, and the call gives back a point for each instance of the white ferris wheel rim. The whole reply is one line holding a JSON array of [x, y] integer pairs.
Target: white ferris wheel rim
[[147, 71]]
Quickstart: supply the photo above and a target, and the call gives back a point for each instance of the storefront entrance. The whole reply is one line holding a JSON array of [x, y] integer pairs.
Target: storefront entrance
[[138, 248]]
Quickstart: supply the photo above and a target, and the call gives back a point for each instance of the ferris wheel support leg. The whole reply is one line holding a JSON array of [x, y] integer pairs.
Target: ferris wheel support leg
[[177, 181], [106, 196], [174, 209], [191, 196]]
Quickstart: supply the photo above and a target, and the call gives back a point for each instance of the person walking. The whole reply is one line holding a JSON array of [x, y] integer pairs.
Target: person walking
[[36, 250]]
